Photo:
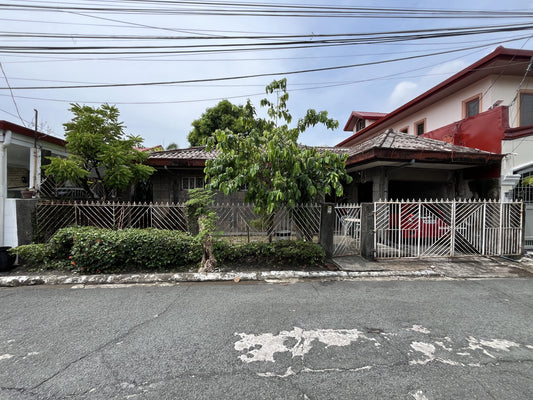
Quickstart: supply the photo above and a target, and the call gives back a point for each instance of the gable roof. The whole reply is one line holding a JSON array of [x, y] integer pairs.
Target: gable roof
[[501, 61], [397, 146], [355, 115], [21, 130]]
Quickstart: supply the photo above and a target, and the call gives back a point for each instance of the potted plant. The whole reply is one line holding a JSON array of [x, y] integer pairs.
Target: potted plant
[[27, 193]]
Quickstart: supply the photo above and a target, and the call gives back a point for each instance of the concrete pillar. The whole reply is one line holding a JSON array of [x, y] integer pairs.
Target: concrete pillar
[[327, 226], [35, 168], [380, 186], [6, 141], [367, 231]]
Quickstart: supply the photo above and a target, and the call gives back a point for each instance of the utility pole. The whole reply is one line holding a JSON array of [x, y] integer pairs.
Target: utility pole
[[35, 156]]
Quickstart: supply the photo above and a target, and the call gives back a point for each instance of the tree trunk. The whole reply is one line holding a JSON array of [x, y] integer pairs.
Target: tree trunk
[[209, 262]]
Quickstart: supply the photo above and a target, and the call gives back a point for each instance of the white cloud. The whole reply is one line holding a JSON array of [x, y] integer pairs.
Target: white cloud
[[408, 90], [403, 92]]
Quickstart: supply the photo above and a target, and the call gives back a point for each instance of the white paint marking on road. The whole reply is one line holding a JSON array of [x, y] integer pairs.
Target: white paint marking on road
[[263, 347], [440, 344], [309, 370], [420, 329], [429, 351], [291, 372], [425, 348], [419, 395], [287, 373], [499, 344], [496, 344], [6, 356]]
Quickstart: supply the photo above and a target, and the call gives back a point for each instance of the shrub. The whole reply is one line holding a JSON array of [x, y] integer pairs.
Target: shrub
[[94, 250], [114, 251], [33, 255], [287, 252]]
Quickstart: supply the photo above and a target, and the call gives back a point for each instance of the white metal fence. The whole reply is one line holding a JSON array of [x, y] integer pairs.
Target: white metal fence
[[234, 220], [440, 228], [347, 230]]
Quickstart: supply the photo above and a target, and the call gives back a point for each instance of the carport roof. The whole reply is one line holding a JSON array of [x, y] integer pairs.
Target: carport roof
[[396, 146]]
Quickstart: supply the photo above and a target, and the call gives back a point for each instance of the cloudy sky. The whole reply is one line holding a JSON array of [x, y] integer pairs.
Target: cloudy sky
[[162, 63]]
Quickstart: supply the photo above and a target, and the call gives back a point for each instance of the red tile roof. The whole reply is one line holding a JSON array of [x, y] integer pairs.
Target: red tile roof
[[397, 146]]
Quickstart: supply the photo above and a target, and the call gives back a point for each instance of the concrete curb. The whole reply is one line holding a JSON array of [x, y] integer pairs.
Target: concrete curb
[[31, 280]]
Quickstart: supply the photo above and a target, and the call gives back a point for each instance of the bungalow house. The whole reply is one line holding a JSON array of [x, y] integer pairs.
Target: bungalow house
[[22, 153], [487, 108]]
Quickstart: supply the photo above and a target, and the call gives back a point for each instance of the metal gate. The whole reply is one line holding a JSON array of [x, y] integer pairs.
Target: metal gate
[[447, 228], [347, 230]]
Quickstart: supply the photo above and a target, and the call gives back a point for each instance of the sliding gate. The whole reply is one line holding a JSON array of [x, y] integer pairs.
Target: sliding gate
[[447, 228]]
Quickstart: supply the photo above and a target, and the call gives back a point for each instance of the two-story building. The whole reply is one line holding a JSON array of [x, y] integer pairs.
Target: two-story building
[[487, 107]]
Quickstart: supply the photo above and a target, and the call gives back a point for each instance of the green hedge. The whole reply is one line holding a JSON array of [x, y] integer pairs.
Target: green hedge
[[94, 250]]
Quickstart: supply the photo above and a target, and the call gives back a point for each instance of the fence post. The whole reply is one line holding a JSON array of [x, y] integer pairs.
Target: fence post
[[327, 225], [452, 229], [368, 232]]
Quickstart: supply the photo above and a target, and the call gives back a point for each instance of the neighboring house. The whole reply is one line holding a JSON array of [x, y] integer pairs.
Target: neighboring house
[[359, 120], [177, 171], [22, 153], [487, 106]]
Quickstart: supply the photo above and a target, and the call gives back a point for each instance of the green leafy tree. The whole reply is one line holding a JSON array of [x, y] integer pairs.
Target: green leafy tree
[[238, 119], [172, 146], [271, 165], [99, 153]]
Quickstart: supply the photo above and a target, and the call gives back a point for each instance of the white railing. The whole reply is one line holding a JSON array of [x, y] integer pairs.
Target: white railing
[[447, 228], [347, 230]]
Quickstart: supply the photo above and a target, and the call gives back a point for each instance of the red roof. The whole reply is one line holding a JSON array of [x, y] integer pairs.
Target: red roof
[[21, 130], [501, 60], [355, 115]]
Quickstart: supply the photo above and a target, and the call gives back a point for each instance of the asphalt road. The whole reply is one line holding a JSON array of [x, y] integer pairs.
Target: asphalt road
[[332, 340]]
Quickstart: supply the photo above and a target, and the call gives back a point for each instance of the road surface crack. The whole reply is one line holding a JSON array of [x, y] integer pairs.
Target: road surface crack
[[131, 330]]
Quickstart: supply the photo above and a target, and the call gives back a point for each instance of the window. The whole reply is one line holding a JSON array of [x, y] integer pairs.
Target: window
[[523, 191], [405, 130], [192, 182], [472, 106], [420, 127], [526, 108], [359, 125]]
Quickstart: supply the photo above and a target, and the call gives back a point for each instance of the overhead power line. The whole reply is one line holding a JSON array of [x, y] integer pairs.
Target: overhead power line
[[247, 9], [229, 78]]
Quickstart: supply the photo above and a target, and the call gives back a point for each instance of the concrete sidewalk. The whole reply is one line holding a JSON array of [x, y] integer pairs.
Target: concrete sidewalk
[[351, 267], [457, 268]]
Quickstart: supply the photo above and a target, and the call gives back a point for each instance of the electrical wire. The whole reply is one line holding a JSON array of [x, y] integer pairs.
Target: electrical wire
[[228, 78]]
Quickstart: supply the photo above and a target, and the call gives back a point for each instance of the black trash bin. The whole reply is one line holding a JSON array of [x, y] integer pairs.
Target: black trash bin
[[6, 260]]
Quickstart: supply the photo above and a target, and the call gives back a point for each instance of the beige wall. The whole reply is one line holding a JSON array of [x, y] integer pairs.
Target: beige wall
[[446, 111], [450, 109]]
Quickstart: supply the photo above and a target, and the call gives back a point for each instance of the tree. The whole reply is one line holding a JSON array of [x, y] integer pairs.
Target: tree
[[199, 210], [271, 165], [99, 153], [172, 146], [225, 115]]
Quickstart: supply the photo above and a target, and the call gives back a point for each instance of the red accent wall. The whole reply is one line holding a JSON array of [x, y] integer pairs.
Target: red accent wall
[[484, 131]]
